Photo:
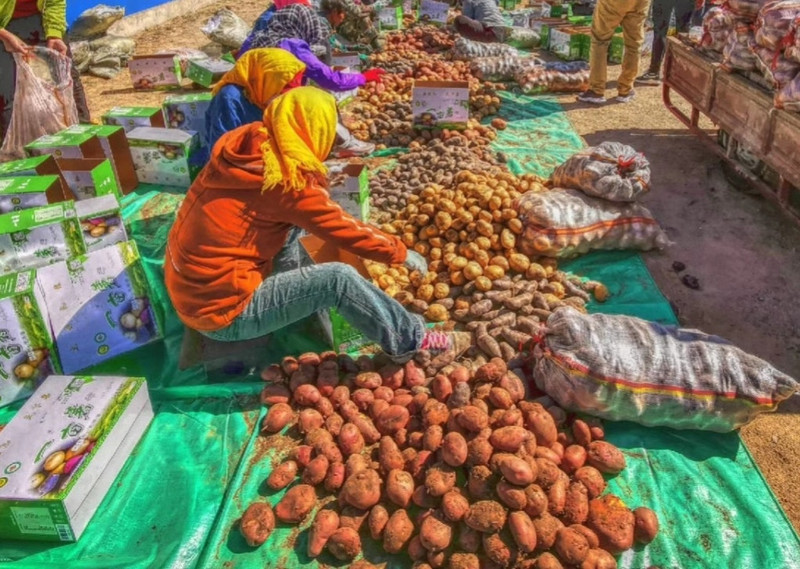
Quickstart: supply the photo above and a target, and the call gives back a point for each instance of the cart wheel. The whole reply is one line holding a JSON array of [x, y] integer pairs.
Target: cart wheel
[[735, 179]]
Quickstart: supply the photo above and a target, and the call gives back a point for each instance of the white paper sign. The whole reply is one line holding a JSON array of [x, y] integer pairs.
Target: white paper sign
[[434, 11], [388, 17], [439, 104]]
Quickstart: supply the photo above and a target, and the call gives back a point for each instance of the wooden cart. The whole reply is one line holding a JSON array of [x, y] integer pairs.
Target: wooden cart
[[760, 143]]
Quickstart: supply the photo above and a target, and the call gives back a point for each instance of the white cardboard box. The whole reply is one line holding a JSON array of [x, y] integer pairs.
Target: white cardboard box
[[63, 450]]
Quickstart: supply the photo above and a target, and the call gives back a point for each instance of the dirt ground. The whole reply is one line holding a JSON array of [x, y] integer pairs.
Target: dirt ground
[[740, 247]]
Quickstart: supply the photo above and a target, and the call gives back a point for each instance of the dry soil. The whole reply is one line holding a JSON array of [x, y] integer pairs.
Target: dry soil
[[741, 248]]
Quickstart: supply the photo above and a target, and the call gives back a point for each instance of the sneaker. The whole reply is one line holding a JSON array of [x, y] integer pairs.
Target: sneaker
[[353, 147], [591, 97], [626, 98], [437, 342], [649, 78]]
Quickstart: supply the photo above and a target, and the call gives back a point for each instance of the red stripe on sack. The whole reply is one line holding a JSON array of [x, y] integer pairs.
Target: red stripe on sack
[[658, 387]]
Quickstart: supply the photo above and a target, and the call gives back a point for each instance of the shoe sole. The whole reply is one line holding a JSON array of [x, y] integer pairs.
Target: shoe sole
[[649, 82], [593, 101], [625, 99]]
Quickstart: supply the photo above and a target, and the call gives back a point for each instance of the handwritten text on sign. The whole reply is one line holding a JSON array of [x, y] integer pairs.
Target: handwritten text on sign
[[434, 11]]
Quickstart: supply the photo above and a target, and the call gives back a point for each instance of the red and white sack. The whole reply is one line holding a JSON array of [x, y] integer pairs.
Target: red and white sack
[[627, 369], [792, 41], [718, 24], [774, 22], [788, 97], [568, 223], [738, 54], [612, 171], [776, 69]]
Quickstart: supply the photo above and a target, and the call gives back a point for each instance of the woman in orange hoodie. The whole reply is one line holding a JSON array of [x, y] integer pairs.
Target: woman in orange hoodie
[[234, 267]]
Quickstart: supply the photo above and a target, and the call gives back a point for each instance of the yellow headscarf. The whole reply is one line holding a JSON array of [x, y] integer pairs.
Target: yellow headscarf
[[263, 73], [300, 126]]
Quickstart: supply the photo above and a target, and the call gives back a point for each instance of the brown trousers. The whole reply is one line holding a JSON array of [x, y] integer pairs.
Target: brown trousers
[[608, 15]]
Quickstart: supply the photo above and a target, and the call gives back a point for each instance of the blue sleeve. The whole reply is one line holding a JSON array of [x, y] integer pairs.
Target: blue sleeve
[[318, 72], [229, 109]]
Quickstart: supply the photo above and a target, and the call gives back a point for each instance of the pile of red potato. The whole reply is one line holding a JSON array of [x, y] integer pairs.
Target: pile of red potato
[[455, 469]]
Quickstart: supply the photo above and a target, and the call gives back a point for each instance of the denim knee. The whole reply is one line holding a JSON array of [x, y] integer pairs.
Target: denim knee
[[344, 275]]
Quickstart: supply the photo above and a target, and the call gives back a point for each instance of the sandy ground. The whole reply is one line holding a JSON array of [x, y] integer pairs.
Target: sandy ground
[[742, 249]]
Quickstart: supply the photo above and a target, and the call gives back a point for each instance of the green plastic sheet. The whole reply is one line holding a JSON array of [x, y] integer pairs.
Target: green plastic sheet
[[176, 501]]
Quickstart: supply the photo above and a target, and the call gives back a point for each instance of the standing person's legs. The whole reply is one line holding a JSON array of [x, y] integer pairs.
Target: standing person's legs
[[78, 92], [684, 10], [662, 10], [633, 36], [608, 15], [285, 298]]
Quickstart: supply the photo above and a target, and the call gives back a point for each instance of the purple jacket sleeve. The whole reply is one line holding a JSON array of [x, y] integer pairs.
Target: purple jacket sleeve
[[318, 72]]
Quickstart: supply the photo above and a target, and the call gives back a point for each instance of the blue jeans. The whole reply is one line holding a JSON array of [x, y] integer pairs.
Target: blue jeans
[[297, 289]]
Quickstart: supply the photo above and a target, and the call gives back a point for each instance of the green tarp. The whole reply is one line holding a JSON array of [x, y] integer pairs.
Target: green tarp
[[201, 463]]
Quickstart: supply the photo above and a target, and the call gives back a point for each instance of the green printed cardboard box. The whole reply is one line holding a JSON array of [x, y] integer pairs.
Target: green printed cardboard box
[[350, 190], [188, 112], [116, 149], [161, 155], [39, 236], [44, 165], [89, 178], [131, 117], [67, 144], [391, 18], [566, 43], [63, 450], [207, 71], [544, 28], [27, 192], [27, 356], [440, 104], [161, 71], [101, 222], [99, 306]]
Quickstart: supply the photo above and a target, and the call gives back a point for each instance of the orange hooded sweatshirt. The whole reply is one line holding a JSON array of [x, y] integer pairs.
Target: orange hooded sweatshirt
[[227, 232]]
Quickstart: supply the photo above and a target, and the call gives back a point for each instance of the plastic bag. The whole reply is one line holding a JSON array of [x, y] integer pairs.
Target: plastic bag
[[554, 78], [103, 57], [738, 53], [776, 69], [43, 101], [567, 223], [612, 171], [718, 24], [95, 21], [226, 28], [792, 41], [623, 368], [788, 97], [468, 49], [774, 22], [745, 10], [502, 68], [522, 38], [185, 55]]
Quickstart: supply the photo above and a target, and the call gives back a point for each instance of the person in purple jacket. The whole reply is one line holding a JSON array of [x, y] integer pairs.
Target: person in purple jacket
[[325, 77]]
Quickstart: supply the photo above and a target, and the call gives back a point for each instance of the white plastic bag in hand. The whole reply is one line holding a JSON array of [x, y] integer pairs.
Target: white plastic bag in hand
[[43, 101]]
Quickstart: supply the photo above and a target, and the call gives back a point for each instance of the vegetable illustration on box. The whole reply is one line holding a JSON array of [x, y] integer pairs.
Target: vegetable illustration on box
[[60, 463], [25, 341], [99, 306]]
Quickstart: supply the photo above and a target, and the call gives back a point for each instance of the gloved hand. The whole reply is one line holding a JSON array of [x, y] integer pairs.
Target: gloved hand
[[416, 262], [373, 75]]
